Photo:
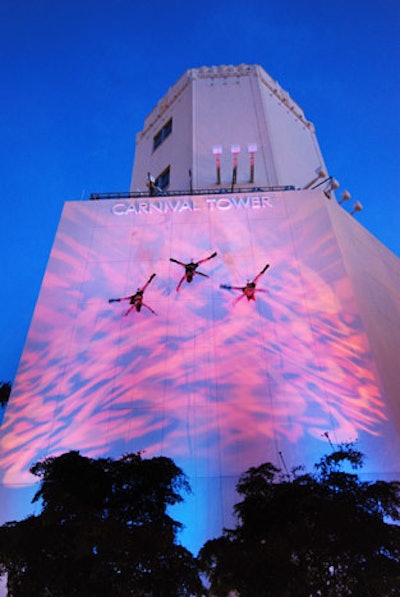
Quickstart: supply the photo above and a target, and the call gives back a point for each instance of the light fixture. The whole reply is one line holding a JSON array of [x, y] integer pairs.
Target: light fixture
[[190, 181], [356, 207], [235, 150], [217, 151], [326, 434], [345, 197], [252, 149], [321, 173], [330, 185]]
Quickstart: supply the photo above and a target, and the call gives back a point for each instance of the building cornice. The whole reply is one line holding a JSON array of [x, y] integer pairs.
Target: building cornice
[[221, 72]]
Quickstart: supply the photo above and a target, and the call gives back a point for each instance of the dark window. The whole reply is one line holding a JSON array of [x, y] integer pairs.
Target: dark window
[[162, 134], [162, 181]]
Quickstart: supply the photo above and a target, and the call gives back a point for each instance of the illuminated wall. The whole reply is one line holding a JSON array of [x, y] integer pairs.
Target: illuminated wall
[[215, 385]]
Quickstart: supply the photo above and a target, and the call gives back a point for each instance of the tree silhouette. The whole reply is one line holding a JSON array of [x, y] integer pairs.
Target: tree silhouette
[[5, 391], [325, 533], [103, 530]]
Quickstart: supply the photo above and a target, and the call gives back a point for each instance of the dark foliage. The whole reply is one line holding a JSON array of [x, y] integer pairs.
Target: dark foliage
[[103, 530], [324, 534], [5, 391]]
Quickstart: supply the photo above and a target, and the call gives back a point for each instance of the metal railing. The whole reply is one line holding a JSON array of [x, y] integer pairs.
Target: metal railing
[[219, 191]]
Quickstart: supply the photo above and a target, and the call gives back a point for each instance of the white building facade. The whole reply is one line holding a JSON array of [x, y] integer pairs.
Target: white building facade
[[215, 111]]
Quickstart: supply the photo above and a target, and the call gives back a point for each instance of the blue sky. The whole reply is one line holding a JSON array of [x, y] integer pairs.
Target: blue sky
[[78, 79]]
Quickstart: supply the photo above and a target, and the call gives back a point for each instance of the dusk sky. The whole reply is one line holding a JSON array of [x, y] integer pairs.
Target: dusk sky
[[78, 79]]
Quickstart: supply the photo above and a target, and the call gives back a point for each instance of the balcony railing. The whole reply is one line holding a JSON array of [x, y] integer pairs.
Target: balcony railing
[[219, 191]]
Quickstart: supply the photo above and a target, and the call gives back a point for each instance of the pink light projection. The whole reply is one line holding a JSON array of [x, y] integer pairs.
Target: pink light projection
[[216, 386]]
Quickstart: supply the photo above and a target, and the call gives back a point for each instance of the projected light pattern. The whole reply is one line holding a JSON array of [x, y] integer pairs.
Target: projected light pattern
[[217, 387]]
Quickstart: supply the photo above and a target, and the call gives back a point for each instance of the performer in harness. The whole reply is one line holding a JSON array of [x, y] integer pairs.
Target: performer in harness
[[135, 300], [191, 269], [250, 289]]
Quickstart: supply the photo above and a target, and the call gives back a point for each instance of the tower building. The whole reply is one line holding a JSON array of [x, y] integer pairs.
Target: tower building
[[226, 115], [225, 312]]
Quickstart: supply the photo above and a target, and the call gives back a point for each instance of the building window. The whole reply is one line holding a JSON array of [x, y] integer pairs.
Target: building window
[[162, 181], [162, 134]]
